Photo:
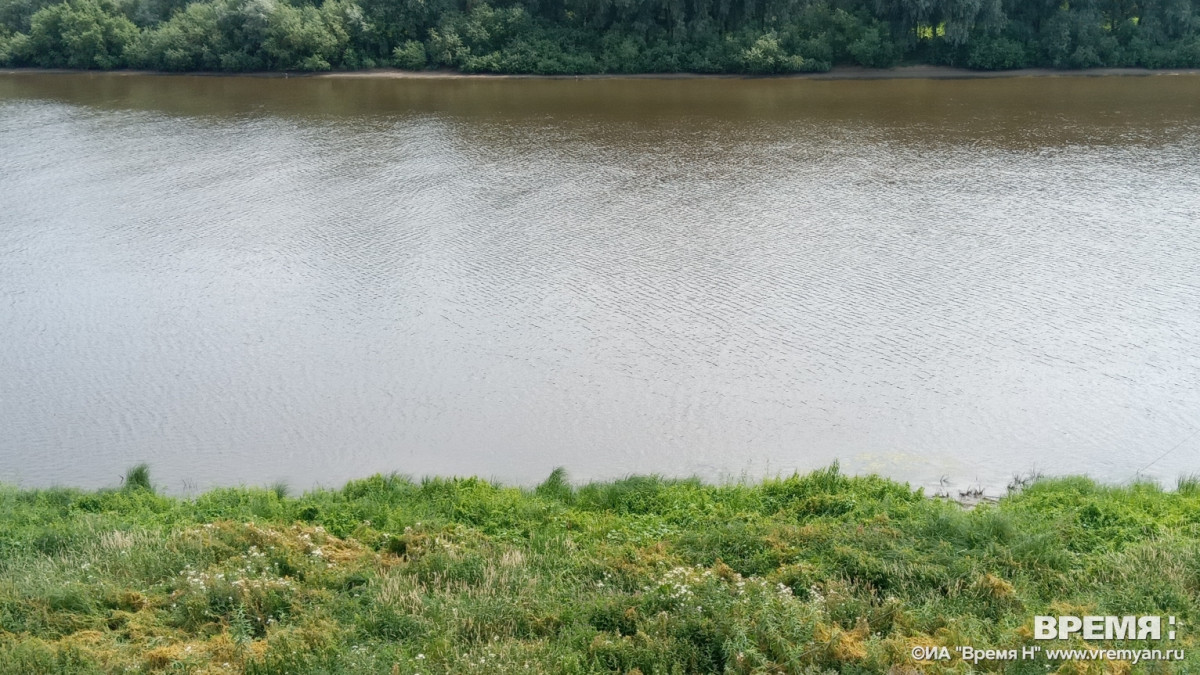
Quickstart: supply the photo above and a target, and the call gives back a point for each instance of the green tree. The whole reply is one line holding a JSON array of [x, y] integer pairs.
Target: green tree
[[304, 38], [574, 36], [16, 15], [410, 56], [767, 56], [191, 40], [873, 49], [996, 53], [80, 34]]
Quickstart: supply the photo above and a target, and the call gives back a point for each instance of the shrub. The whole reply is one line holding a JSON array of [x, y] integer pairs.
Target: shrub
[[874, 49], [996, 53], [80, 34], [556, 486], [138, 478], [767, 56], [191, 40], [410, 56]]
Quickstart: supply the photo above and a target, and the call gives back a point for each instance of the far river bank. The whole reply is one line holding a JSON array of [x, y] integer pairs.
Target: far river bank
[[927, 72]]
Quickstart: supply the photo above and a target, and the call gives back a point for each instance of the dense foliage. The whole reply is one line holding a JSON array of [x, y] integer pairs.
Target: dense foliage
[[810, 574], [596, 36]]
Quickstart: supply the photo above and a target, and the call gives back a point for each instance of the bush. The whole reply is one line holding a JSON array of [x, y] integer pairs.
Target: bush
[[138, 478], [80, 34], [10, 48], [996, 53], [240, 35], [874, 49], [1085, 57], [410, 56], [621, 53], [191, 40], [304, 38], [767, 56], [556, 487]]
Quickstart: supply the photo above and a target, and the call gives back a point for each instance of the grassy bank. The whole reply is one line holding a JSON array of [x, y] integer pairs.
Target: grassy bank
[[816, 573]]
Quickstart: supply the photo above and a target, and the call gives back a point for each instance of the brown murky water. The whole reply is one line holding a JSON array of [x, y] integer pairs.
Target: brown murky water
[[241, 280]]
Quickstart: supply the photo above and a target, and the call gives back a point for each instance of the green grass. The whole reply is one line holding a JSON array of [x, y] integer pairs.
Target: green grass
[[138, 478], [807, 574]]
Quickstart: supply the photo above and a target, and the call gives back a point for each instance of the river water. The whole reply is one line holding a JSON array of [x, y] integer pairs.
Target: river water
[[244, 280]]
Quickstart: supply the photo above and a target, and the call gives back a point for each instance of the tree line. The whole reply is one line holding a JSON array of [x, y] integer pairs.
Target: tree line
[[596, 36]]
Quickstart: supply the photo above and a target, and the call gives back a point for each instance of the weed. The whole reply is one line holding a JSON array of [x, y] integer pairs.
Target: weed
[[281, 489], [813, 573], [138, 478]]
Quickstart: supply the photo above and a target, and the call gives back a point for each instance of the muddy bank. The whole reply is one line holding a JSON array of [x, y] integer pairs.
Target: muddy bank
[[838, 73]]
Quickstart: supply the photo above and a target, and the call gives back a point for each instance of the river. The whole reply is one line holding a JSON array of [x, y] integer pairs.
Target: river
[[241, 280]]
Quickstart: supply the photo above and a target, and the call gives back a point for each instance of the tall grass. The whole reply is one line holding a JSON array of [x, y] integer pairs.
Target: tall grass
[[138, 478], [281, 489], [1188, 485], [816, 573]]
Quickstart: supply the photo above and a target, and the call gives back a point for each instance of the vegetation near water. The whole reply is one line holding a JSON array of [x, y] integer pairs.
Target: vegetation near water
[[596, 36], [808, 574]]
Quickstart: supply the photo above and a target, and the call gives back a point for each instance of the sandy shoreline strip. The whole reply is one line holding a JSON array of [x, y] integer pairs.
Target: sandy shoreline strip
[[838, 73]]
